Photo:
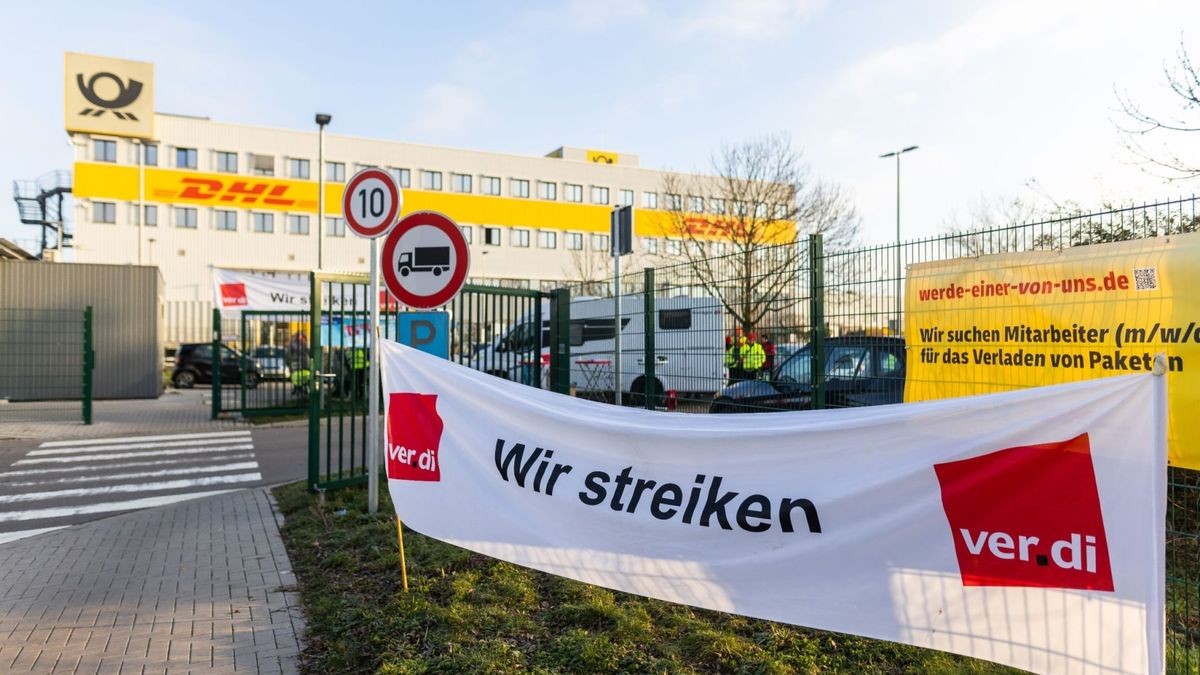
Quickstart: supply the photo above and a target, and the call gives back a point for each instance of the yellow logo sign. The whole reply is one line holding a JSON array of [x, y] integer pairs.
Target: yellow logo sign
[[109, 96], [602, 157]]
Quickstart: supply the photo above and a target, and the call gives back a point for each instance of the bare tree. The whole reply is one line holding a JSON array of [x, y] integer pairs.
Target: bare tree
[[760, 199], [1147, 135]]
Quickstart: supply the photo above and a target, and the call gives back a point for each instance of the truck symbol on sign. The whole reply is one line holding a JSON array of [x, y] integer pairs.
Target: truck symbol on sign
[[434, 259]]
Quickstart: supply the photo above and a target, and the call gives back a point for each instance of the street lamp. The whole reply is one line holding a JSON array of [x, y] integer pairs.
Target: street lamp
[[322, 119], [899, 272]]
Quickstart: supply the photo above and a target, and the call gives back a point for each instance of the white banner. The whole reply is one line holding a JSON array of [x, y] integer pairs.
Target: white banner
[[237, 290], [1025, 527]]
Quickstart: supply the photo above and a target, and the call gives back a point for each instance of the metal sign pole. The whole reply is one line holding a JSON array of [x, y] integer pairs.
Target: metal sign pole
[[614, 237], [373, 406]]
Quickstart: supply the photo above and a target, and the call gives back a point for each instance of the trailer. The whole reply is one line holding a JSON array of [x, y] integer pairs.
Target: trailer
[[689, 351]]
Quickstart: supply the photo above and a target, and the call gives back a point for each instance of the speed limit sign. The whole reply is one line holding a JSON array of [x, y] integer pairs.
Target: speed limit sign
[[371, 202]]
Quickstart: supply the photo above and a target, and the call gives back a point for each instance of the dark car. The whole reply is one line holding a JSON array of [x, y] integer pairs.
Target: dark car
[[859, 371], [194, 365]]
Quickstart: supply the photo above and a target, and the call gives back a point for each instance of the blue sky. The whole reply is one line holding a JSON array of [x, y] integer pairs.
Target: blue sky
[[996, 93]]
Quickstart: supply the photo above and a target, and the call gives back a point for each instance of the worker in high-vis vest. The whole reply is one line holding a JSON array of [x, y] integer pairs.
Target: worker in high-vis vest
[[359, 362], [753, 357]]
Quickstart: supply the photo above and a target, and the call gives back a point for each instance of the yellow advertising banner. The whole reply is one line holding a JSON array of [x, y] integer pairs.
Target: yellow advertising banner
[[1000, 322], [109, 96]]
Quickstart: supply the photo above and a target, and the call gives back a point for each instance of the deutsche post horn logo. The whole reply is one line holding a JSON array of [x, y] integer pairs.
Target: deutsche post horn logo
[[601, 158], [126, 94]]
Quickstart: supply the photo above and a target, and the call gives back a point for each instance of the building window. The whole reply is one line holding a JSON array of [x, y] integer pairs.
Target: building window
[[716, 205], [335, 227], [674, 247], [519, 238], [650, 200], [547, 239], [574, 241], [263, 222], [431, 180], [739, 208], [600, 242], [650, 245], [625, 197], [460, 182], [599, 195], [518, 187], [781, 211], [226, 162], [151, 214], [573, 193], [335, 171], [298, 224], [403, 177], [151, 151], [262, 165], [547, 190], [489, 185], [104, 212], [696, 204], [104, 151], [674, 202], [226, 220], [491, 236], [718, 248], [185, 217], [185, 158], [298, 168], [466, 232], [760, 210]]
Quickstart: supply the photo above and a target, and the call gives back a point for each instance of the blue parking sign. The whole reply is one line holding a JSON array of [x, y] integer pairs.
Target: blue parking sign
[[426, 331]]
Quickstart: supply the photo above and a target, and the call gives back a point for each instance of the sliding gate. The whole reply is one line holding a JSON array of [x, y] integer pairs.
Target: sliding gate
[[497, 330]]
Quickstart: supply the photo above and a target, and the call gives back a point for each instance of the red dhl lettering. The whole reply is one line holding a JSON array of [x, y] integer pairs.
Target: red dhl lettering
[[249, 192]]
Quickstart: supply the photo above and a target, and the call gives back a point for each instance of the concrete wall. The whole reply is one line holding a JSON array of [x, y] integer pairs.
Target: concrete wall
[[127, 323]]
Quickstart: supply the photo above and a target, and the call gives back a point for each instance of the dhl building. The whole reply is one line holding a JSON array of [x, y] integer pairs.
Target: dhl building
[[187, 194]]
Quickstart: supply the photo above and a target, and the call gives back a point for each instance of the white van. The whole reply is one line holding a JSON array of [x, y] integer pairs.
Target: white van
[[688, 347]]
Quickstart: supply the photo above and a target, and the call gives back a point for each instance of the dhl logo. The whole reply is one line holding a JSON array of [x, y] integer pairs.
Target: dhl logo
[[246, 192], [703, 227]]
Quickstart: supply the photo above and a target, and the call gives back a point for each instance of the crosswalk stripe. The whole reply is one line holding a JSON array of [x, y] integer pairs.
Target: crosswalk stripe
[[124, 465], [132, 487], [216, 468], [6, 537], [135, 446], [106, 507], [130, 455], [136, 439]]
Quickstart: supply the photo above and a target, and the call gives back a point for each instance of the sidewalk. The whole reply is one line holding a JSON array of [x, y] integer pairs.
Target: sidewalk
[[200, 586], [173, 412]]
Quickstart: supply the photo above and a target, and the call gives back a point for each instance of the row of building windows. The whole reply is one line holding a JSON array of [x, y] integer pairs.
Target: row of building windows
[[187, 217], [300, 169]]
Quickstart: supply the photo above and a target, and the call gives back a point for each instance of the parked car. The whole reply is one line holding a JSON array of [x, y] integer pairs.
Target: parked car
[[194, 365], [859, 371], [272, 361]]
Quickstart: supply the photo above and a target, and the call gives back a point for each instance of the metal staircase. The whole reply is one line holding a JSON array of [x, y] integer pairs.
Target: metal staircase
[[40, 202]]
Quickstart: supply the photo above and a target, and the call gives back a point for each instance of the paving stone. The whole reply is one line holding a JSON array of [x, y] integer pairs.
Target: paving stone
[[191, 587]]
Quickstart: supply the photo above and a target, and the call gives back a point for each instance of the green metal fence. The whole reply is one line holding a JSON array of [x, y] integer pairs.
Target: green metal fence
[[46, 365]]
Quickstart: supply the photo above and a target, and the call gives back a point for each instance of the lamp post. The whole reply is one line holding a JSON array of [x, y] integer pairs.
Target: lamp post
[[899, 272], [322, 119]]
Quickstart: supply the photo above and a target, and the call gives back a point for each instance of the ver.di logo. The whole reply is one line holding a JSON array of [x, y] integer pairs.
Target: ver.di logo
[[127, 93], [1028, 516], [414, 432]]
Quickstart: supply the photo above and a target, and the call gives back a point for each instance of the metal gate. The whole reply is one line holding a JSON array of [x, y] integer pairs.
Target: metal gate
[[502, 331]]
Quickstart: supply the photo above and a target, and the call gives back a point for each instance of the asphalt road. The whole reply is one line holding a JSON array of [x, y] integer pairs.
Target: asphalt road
[[49, 484]]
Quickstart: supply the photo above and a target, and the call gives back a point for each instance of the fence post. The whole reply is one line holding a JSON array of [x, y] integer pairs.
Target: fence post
[[89, 363], [216, 359], [816, 314], [314, 382], [560, 340], [649, 388], [535, 370]]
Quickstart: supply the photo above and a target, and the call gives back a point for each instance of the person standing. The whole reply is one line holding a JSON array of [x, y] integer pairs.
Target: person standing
[[753, 357], [768, 348], [731, 358]]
